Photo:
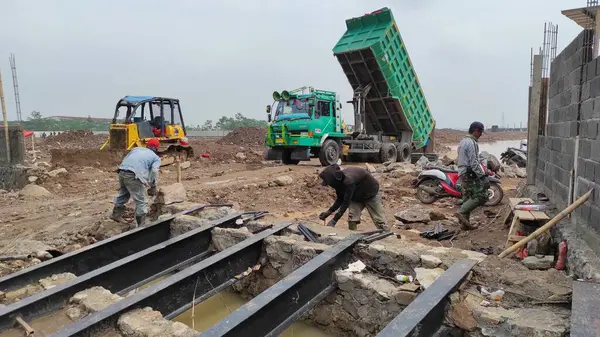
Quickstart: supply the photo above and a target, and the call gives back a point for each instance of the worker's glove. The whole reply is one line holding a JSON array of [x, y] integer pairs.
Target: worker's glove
[[152, 191], [324, 215], [332, 223]]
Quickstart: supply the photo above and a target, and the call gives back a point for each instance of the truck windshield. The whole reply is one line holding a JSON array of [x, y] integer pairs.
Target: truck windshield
[[290, 108]]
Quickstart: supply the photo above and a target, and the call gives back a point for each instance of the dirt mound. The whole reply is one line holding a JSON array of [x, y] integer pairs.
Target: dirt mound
[[81, 139], [83, 157], [245, 136]]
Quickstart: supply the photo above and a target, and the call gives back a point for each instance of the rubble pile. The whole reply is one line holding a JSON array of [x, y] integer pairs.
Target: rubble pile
[[245, 136]]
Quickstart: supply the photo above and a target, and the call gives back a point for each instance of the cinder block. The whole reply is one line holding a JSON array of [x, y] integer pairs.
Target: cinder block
[[575, 94], [587, 109], [594, 220], [567, 161], [575, 76], [589, 170], [573, 129], [541, 165], [585, 211], [590, 70], [580, 167], [567, 145], [585, 148], [583, 128], [556, 146], [597, 60], [592, 125], [595, 87]]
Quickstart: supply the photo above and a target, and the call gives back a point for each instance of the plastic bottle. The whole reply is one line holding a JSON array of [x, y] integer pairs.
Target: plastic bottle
[[404, 278], [563, 247]]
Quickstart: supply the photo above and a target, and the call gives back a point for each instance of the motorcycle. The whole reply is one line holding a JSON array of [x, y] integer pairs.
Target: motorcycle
[[435, 183]]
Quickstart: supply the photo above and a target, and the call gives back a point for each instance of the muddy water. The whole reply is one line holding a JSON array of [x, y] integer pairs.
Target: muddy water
[[496, 148], [211, 311]]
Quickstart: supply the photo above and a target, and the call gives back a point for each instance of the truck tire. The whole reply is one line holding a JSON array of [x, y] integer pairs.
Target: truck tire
[[286, 158], [330, 152], [388, 153], [404, 153]]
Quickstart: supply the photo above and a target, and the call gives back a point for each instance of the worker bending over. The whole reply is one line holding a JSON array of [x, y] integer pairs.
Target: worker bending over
[[356, 189], [138, 177], [475, 183]]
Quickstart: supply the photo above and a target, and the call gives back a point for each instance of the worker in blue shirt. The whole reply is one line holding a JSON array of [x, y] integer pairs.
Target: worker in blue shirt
[[138, 177]]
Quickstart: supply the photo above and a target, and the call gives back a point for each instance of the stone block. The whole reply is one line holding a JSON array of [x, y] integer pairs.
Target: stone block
[[595, 150], [223, 238], [185, 223], [595, 87], [94, 299], [573, 129], [150, 323], [592, 128], [567, 145], [539, 263], [596, 111], [575, 95], [16, 144], [171, 194]]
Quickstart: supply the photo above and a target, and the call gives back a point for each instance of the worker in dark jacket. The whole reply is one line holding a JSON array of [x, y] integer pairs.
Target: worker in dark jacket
[[356, 189]]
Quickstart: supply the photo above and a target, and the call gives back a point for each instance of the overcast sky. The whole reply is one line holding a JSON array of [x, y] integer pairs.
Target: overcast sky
[[222, 57]]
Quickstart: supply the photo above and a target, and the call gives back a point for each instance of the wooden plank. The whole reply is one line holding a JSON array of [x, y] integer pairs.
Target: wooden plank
[[510, 231], [539, 215], [524, 215]]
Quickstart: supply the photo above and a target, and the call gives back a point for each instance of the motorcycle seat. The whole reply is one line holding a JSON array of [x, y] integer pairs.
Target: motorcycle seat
[[443, 169]]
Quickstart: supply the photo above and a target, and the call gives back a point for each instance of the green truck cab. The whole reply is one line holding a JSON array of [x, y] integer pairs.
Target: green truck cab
[[304, 123], [391, 115]]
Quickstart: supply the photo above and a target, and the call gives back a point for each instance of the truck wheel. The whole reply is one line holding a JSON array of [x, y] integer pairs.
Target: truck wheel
[[404, 153], [286, 158], [388, 153], [330, 152]]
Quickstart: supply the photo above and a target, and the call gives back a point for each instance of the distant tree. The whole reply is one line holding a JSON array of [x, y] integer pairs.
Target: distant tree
[[35, 115], [239, 120], [89, 119], [208, 125]]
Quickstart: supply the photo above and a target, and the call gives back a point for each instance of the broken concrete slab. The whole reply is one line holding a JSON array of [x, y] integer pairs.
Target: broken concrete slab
[[171, 194], [426, 276], [212, 214], [150, 323], [56, 279], [430, 261], [179, 207], [223, 238], [539, 262]]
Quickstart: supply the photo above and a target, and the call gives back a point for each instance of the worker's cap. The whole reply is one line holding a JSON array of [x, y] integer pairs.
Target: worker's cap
[[331, 174], [153, 143], [476, 126]]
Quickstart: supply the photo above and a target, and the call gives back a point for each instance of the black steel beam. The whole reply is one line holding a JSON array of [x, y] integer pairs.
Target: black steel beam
[[425, 315], [585, 310], [176, 291], [275, 309], [119, 274], [96, 255]]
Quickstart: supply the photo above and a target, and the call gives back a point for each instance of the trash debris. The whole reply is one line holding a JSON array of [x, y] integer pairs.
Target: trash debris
[[438, 233], [356, 267], [485, 303], [494, 296], [486, 250], [404, 278]]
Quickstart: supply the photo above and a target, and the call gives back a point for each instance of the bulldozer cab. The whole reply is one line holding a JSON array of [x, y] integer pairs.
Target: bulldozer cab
[[152, 115]]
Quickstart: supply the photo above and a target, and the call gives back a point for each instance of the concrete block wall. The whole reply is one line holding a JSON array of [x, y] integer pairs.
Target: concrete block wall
[[17, 146], [569, 153]]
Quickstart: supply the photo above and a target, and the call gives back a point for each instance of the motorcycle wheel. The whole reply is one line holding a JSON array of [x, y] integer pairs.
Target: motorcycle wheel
[[495, 195], [423, 196]]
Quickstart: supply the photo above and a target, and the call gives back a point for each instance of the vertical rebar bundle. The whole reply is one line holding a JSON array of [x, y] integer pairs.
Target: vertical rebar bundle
[[13, 67], [590, 34], [548, 49]]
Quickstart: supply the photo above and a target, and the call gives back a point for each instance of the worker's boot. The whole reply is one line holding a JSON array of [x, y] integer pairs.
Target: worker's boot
[[140, 220], [353, 225], [117, 214], [465, 224]]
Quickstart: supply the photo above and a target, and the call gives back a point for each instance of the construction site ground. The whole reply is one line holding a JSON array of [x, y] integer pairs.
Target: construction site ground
[[76, 210]]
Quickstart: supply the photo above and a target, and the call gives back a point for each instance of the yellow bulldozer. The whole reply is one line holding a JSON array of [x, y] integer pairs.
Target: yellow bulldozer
[[140, 118]]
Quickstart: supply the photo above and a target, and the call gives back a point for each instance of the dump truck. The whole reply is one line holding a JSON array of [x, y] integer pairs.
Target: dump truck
[[391, 116]]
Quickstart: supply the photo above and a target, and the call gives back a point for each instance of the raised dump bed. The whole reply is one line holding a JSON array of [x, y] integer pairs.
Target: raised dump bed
[[372, 52]]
